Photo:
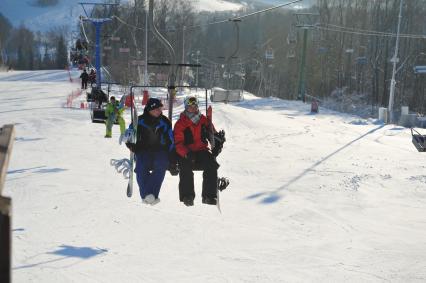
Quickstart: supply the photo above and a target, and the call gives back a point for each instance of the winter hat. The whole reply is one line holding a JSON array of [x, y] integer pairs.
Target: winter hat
[[153, 103], [190, 101]]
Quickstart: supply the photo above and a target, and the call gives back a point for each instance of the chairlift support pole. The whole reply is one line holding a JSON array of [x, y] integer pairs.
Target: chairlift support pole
[[166, 43], [301, 92], [308, 23], [394, 61], [146, 79], [97, 22], [237, 47]]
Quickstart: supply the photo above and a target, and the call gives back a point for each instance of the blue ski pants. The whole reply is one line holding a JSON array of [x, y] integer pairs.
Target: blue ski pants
[[150, 171]]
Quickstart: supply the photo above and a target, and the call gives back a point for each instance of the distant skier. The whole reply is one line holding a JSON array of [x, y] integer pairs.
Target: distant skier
[[154, 148], [191, 133], [92, 77], [114, 112], [84, 78]]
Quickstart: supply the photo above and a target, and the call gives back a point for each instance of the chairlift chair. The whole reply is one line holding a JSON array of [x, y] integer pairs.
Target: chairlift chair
[[291, 54], [291, 38], [269, 54], [418, 140]]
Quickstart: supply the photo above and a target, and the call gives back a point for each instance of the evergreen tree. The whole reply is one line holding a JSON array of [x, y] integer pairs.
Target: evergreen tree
[[5, 28], [61, 54], [46, 58]]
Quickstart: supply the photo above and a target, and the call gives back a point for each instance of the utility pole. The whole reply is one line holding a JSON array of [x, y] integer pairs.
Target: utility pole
[[394, 61], [305, 21]]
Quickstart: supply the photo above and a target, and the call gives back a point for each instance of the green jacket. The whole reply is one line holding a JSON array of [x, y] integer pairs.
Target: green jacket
[[114, 110]]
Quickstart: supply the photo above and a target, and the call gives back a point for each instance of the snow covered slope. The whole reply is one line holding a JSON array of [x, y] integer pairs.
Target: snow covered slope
[[216, 5], [65, 13], [313, 198]]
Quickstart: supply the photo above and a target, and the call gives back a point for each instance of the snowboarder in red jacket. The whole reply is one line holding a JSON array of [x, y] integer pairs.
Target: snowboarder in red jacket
[[191, 134]]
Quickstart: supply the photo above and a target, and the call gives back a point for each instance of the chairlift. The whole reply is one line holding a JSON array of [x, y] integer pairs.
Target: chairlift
[[138, 62], [322, 50], [269, 54], [419, 67], [291, 38], [124, 50], [419, 70], [418, 140], [361, 60], [291, 54]]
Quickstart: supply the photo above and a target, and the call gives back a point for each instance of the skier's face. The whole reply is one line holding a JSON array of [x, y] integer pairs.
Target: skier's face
[[192, 108], [156, 112]]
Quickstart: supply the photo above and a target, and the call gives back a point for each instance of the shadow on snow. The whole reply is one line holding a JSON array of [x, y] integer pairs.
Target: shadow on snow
[[273, 197], [67, 252], [40, 169]]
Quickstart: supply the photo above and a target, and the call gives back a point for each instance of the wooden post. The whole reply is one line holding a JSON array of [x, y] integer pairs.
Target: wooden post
[[7, 136]]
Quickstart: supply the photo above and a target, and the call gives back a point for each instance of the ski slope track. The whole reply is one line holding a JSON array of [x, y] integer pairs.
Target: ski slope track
[[313, 198]]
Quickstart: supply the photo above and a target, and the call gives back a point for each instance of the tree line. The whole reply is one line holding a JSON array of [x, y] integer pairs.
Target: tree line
[[24, 49], [349, 47]]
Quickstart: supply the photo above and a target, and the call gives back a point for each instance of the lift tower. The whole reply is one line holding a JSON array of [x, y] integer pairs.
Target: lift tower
[[97, 22]]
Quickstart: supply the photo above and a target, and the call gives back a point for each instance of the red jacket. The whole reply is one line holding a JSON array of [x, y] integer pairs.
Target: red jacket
[[190, 136]]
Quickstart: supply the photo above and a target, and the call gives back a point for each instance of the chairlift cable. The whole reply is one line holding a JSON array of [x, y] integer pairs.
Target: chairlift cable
[[372, 33], [84, 31], [377, 32], [218, 22]]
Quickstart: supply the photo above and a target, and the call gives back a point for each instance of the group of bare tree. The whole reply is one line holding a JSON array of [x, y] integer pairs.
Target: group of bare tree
[[349, 48], [358, 39], [123, 38]]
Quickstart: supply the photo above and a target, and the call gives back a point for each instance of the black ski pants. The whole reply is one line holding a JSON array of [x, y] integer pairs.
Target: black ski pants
[[199, 160]]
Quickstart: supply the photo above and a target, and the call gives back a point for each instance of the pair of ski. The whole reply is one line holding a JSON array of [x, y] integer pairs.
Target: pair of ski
[[222, 183]]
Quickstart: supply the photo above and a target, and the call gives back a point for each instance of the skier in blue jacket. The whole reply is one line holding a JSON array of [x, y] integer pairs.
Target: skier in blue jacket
[[154, 150]]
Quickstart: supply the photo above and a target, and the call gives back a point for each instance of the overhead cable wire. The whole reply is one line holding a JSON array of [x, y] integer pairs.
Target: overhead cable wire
[[265, 10], [221, 21], [367, 33], [84, 31]]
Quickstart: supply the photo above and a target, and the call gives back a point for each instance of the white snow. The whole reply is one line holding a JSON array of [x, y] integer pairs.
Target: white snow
[[313, 198], [216, 5]]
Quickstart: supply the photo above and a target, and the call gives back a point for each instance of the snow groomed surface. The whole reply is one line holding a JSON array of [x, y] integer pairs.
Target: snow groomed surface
[[313, 198]]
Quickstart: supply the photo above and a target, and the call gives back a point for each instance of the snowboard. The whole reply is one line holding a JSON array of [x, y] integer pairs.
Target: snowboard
[[222, 182], [134, 119]]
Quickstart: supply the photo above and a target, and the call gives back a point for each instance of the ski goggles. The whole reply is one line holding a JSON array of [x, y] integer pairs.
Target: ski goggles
[[192, 101]]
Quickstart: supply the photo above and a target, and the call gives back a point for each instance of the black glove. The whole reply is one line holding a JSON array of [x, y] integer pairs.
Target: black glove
[[173, 169], [131, 146], [220, 139], [216, 151]]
